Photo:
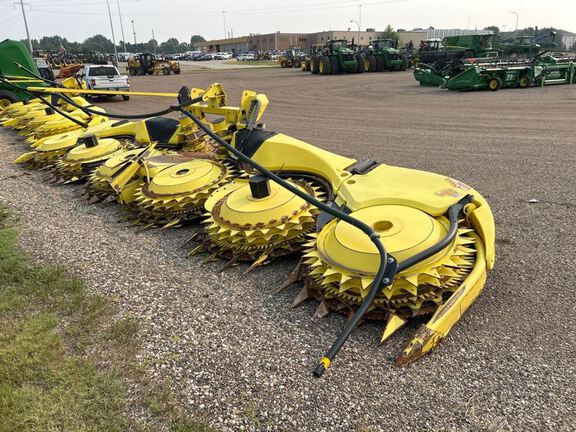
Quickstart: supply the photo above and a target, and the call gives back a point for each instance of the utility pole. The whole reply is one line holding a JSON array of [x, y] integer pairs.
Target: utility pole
[[134, 33], [121, 26], [515, 13], [154, 41], [224, 19], [26, 25], [358, 24], [113, 36]]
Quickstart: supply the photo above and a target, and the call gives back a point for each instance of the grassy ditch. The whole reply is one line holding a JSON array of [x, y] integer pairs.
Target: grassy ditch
[[63, 365]]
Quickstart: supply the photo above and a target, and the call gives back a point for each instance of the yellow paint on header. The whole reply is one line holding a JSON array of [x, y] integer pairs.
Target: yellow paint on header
[[99, 92]]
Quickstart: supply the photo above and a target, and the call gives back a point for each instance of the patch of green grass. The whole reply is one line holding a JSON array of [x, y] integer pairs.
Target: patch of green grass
[[48, 324], [269, 63]]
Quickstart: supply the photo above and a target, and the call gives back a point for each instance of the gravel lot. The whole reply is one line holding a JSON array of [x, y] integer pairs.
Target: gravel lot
[[240, 356]]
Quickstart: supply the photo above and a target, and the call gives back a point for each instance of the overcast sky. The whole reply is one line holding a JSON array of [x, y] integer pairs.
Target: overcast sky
[[78, 19]]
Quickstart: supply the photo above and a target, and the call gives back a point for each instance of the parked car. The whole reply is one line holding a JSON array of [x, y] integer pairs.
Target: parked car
[[105, 77], [222, 56], [246, 56], [204, 57]]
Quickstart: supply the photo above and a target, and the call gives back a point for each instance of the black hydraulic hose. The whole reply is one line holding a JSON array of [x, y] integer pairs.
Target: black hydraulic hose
[[56, 109], [24, 68], [453, 213], [118, 116], [387, 269]]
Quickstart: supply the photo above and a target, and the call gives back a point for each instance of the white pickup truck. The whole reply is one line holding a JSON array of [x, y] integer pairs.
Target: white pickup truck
[[105, 77]]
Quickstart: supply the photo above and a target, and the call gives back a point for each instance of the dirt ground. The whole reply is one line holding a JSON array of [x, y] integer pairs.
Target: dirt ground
[[507, 365]]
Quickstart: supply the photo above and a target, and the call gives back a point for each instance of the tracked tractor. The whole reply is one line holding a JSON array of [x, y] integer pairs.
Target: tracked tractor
[[335, 58], [383, 55]]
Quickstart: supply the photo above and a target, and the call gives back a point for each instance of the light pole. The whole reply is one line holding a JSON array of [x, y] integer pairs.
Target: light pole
[[26, 25], [154, 41], [134, 33], [515, 13], [358, 24], [121, 26], [113, 36], [224, 19]]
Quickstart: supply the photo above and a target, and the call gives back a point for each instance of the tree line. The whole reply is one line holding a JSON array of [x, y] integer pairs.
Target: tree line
[[101, 43]]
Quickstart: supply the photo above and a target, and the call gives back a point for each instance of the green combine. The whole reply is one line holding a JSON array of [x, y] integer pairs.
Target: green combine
[[337, 57], [12, 52], [383, 55]]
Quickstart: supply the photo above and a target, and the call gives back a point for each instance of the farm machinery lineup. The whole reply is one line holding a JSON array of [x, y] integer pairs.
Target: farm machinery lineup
[[494, 74], [338, 56], [377, 242]]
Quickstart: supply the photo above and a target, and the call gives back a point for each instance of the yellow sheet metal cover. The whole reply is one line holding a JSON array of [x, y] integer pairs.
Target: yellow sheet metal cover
[[405, 231], [240, 207], [105, 147], [59, 142], [187, 177]]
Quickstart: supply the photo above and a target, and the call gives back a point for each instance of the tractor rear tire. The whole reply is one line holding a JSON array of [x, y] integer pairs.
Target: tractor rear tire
[[495, 84], [325, 66], [370, 64], [360, 66], [334, 65], [166, 70], [283, 64], [379, 64], [305, 66], [296, 64], [314, 65], [176, 71]]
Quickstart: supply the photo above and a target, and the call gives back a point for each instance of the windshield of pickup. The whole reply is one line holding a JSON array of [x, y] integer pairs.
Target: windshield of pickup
[[102, 71]]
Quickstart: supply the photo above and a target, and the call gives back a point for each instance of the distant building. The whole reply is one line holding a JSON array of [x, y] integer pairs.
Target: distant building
[[277, 41], [237, 44], [282, 41], [360, 38], [256, 42], [417, 35]]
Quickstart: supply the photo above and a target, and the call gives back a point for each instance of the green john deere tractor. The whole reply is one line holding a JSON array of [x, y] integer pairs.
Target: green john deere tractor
[[335, 58], [383, 55]]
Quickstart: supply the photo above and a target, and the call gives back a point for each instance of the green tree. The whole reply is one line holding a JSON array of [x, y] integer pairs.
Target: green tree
[[98, 43], [196, 38], [53, 43], [183, 47], [390, 33], [170, 46]]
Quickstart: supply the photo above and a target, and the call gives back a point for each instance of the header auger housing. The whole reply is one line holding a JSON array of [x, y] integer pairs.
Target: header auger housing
[[377, 241]]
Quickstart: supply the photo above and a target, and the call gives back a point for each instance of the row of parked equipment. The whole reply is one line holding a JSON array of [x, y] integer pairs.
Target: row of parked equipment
[[338, 56], [494, 74], [376, 241]]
